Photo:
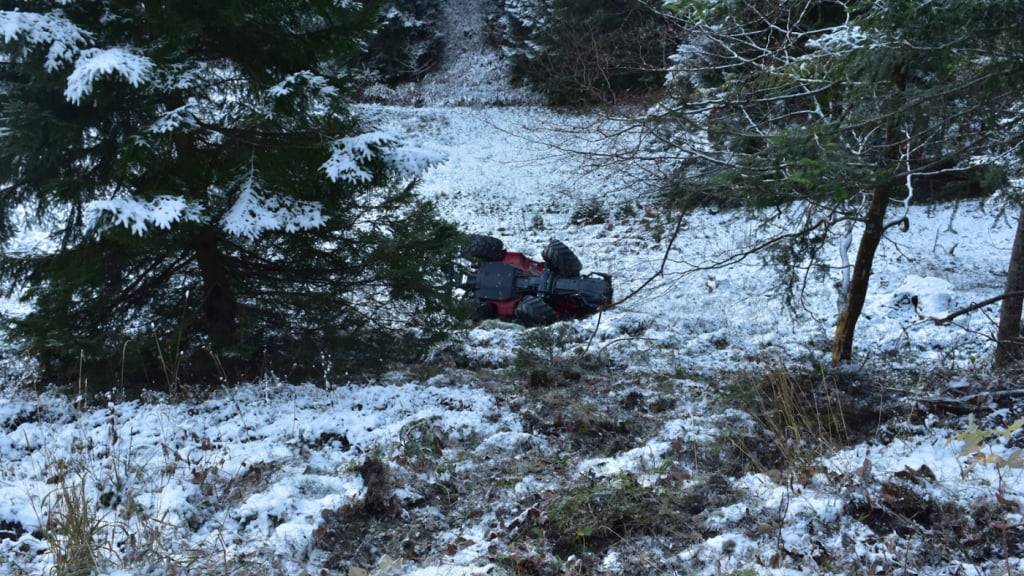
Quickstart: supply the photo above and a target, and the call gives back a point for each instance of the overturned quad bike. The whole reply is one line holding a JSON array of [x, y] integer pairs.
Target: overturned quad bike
[[508, 285]]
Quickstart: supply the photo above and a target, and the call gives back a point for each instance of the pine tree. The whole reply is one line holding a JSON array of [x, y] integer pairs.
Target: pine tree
[[214, 207], [832, 114], [407, 44], [583, 52]]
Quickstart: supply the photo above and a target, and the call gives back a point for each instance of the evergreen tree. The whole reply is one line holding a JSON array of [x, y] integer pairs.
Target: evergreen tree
[[214, 207], [844, 109], [407, 44], [580, 52]]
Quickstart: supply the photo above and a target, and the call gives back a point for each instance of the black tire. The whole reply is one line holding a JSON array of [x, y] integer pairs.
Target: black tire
[[533, 311], [484, 311], [560, 257], [487, 248]]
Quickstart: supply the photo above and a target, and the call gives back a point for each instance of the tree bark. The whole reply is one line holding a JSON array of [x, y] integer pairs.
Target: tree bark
[[874, 229], [220, 308], [1010, 347]]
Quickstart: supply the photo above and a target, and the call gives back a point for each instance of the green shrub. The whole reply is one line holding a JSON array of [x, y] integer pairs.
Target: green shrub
[[591, 517], [589, 212]]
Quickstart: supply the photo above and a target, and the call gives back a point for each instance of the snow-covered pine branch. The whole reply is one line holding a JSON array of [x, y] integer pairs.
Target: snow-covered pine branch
[[351, 157], [94, 62], [139, 215], [61, 37], [256, 211], [65, 43]]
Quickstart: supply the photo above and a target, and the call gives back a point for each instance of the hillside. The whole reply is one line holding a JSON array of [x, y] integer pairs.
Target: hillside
[[694, 429]]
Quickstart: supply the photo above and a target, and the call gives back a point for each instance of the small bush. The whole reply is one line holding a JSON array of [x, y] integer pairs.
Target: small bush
[[593, 516], [627, 211], [556, 353], [589, 212]]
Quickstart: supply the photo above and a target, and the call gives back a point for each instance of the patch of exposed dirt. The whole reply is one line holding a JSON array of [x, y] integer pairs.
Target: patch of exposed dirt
[[904, 505]]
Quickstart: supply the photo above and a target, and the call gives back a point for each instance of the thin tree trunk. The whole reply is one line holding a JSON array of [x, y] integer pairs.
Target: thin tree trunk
[[219, 306], [1010, 348], [874, 229]]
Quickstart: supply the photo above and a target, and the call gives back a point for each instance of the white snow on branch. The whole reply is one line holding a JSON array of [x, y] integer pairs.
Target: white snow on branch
[[256, 211], [96, 62], [138, 215], [314, 81], [841, 39], [350, 156], [181, 117], [413, 161], [62, 36]]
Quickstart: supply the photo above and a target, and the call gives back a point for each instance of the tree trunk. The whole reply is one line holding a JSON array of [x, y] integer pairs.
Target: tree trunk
[[1010, 348], [219, 307], [874, 229]]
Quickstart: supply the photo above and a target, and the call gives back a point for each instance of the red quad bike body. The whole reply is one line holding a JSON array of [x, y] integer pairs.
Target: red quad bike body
[[507, 308], [509, 285]]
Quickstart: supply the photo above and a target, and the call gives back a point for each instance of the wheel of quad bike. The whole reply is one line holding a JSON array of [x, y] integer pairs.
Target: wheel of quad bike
[[560, 257], [483, 311], [487, 248], [534, 311]]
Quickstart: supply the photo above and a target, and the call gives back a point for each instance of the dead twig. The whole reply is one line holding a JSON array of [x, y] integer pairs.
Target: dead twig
[[661, 269]]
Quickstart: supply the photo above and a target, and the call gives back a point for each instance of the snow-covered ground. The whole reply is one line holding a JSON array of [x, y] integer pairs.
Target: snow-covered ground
[[267, 478], [485, 453], [244, 474], [503, 179], [471, 72]]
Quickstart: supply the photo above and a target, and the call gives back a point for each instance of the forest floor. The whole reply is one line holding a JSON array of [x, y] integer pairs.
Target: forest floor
[[692, 430]]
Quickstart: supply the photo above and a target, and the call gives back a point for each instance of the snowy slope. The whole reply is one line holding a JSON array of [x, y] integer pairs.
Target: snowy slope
[[471, 72], [502, 179], [250, 480]]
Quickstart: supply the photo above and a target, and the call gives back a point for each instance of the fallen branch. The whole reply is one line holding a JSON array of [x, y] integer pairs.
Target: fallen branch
[[967, 310], [959, 401], [903, 223]]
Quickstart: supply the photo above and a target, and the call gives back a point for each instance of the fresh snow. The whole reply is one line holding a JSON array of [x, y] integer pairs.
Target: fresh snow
[[314, 81], [63, 38], [188, 465], [138, 215], [350, 156], [246, 474], [94, 62], [66, 43], [256, 211]]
